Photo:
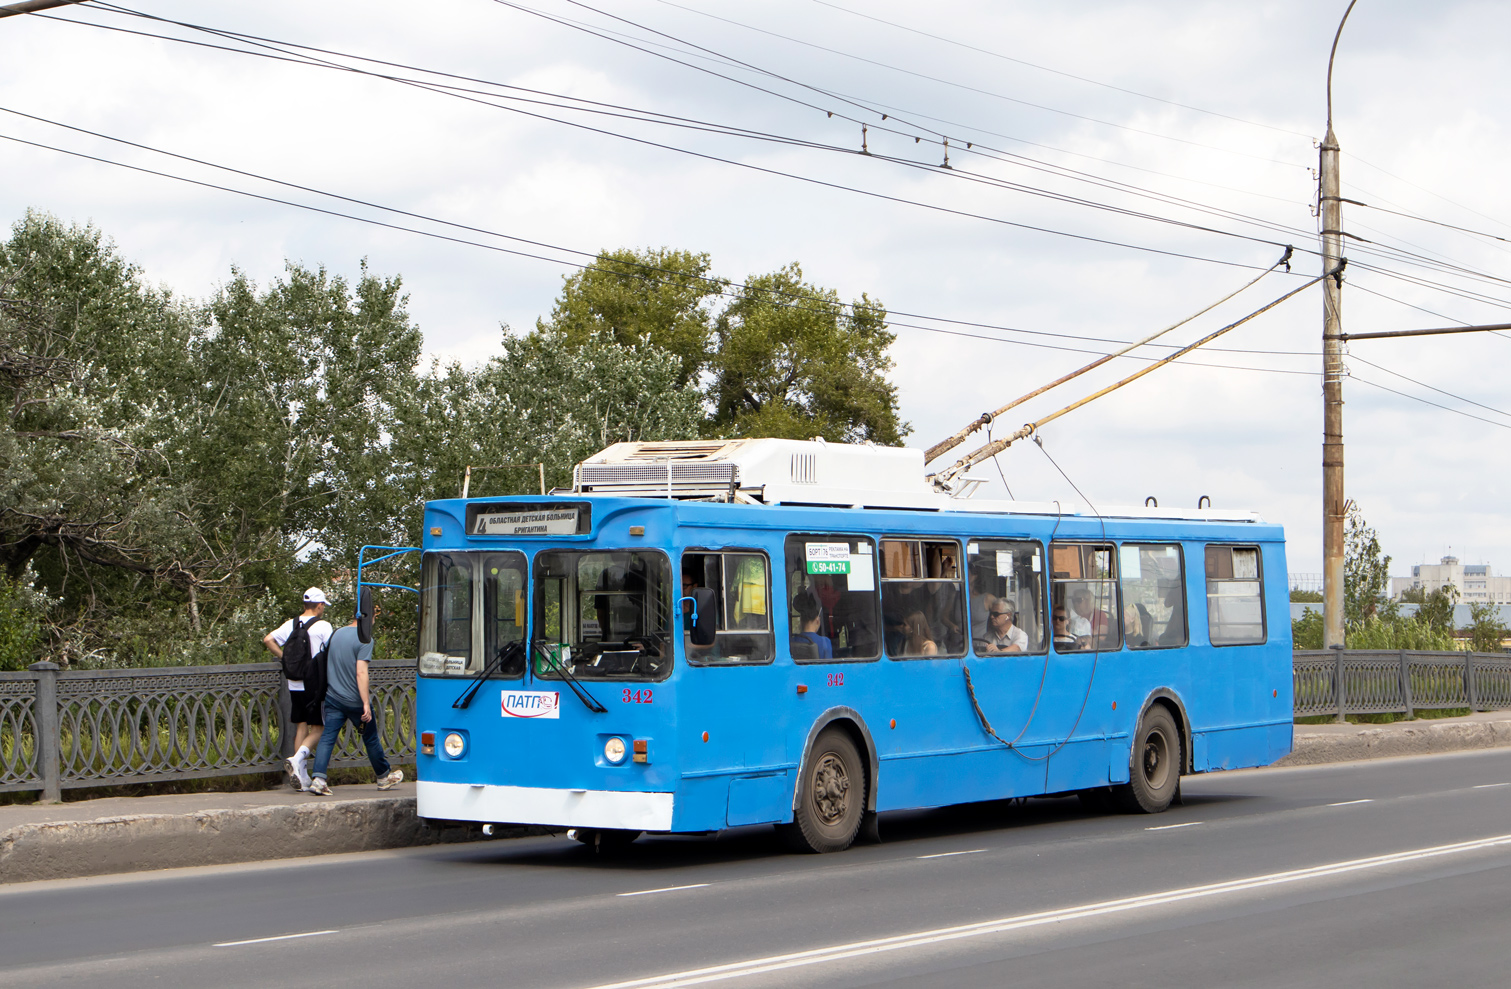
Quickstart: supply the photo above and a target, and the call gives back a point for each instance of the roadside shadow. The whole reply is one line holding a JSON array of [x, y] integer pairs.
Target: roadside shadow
[[657, 852]]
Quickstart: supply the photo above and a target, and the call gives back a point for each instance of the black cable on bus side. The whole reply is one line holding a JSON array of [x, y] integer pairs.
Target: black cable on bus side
[[1096, 656]]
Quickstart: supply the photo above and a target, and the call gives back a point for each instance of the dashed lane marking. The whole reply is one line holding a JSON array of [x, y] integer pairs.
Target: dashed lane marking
[[858, 949], [1172, 827], [1350, 803], [1486, 786], [664, 889], [265, 940]]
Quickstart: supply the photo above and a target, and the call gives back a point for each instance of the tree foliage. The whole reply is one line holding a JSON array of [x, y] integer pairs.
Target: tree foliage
[[1366, 573], [173, 472], [1486, 630], [1436, 609]]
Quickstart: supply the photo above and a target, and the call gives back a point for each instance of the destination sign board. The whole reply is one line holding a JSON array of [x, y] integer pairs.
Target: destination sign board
[[553, 522]]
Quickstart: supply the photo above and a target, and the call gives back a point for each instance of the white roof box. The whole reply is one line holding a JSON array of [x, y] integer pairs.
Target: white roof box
[[768, 471]]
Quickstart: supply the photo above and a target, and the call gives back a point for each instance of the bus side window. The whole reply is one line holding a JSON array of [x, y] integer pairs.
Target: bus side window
[[1235, 598], [832, 605], [921, 598], [1006, 574], [1154, 595], [731, 591], [1085, 592]]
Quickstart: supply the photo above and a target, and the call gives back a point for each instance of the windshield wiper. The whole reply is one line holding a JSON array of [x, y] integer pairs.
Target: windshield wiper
[[488, 669], [587, 699]]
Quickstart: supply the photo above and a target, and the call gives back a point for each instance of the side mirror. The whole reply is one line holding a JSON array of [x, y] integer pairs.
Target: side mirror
[[365, 615]]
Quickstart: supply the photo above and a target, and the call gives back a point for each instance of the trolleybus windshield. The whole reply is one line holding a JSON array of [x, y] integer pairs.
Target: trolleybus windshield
[[459, 588], [603, 615]]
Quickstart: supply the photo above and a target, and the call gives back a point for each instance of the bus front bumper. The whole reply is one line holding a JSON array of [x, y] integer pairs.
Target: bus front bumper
[[490, 804]]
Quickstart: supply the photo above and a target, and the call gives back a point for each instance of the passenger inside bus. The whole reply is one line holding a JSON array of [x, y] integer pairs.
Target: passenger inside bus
[[917, 641], [1063, 639], [1002, 636], [808, 643]]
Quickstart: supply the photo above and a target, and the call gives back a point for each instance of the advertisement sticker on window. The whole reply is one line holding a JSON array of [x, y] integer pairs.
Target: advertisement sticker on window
[[828, 557]]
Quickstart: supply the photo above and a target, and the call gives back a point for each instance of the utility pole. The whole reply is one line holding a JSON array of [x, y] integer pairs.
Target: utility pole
[[1334, 507]]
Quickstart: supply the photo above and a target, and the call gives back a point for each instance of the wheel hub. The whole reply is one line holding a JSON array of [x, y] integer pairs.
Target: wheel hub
[[831, 789]]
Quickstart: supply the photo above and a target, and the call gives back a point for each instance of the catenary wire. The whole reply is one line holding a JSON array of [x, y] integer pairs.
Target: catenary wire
[[1059, 72], [821, 182], [551, 260]]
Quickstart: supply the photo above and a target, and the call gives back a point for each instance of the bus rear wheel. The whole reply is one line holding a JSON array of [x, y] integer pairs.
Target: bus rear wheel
[[831, 796], [1154, 773]]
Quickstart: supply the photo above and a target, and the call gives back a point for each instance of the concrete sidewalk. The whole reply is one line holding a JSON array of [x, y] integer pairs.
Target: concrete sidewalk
[[133, 834]]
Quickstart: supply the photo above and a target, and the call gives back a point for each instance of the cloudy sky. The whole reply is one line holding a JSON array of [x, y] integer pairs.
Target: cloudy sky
[[1163, 151]]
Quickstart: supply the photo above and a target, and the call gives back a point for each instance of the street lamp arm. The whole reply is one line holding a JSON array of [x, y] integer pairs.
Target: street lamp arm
[[1330, 56]]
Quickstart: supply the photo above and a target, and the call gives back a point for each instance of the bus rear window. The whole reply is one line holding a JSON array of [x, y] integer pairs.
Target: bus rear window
[[832, 606], [603, 615], [1235, 600]]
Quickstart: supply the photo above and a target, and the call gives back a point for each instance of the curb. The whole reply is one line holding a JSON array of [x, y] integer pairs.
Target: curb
[[1412, 739], [141, 842]]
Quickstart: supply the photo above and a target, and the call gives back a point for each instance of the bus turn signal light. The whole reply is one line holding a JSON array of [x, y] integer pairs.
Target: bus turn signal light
[[427, 743], [642, 750], [802, 688]]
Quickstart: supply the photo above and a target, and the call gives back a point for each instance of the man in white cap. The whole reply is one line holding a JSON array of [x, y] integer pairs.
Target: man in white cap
[[304, 704]]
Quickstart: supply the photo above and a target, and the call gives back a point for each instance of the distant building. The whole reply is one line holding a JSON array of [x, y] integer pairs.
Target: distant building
[[1476, 584]]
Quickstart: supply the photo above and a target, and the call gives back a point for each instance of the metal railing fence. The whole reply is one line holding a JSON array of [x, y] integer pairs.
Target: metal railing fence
[[1341, 682], [70, 728]]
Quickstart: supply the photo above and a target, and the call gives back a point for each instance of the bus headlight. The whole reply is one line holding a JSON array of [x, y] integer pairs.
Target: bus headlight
[[613, 750], [455, 745]]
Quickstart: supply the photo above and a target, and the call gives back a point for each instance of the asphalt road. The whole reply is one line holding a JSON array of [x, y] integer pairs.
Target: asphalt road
[[1390, 873]]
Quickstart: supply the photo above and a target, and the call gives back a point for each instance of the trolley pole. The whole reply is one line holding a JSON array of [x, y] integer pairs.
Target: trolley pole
[[1333, 505]]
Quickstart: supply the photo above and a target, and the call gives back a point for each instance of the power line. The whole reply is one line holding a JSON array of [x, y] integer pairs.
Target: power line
[[812, 180], [1417, 398], [1058, 72], [716, 282], [1423, 384]]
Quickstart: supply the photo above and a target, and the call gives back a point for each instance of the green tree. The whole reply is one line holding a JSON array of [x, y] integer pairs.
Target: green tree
[[795, 362], [1306, 631], [544, 400], [1399, 633], [1310, 597], [1486, 631], [1436, 609], [629, 297], [1366, 573]]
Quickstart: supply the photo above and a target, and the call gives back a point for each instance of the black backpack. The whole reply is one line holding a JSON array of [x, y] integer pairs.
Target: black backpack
[[298, 663]]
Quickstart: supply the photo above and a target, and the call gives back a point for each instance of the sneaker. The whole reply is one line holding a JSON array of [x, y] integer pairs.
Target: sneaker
[[392, 780], [295, 780], [304, 774], [319, 787]]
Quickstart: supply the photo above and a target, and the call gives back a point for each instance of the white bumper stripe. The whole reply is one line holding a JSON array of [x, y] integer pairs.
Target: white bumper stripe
[[538, 805]]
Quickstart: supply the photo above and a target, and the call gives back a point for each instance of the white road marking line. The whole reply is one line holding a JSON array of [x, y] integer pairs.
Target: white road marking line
[[1169, 827], [1486, 786], [1350, 803], [945, 855], [264, 940], [664, 889], [855, 949]]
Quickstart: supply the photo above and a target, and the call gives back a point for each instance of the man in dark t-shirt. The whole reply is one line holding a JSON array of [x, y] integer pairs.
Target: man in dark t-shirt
[[347, 699]]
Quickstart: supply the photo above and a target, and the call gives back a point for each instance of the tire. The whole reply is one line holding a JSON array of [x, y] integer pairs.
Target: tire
[[831, 796], [1156, 761], [605, 839]]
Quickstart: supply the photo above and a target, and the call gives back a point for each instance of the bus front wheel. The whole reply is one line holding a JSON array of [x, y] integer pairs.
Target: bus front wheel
[[1154, 770], [831, 796]]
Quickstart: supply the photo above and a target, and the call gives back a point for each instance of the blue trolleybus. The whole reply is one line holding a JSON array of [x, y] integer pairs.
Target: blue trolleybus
[[704, 635]]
